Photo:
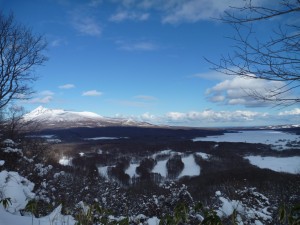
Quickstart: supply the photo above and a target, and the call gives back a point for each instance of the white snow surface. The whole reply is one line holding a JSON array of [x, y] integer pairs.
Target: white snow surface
[[279, 164], [2, 162], [53, 218], [10, 149], [161, 168], [17, 188], [191, 168], [153, 221], [277, 139], [102, 170], [131, 170], [256, 209], [65, 161], [9, 142], [203, 155]]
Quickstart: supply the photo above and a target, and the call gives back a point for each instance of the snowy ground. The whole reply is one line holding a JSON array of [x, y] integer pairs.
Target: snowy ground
[[131, 170], [277, 139], [65, 161], [19, 190], [161, 168], [282, 164], [253, 209], [191, 168]]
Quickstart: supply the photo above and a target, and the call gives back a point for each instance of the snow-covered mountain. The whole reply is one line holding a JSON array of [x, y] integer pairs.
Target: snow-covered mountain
[[59, 118]]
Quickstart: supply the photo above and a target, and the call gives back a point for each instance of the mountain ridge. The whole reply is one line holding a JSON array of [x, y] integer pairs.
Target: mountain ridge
[[60, 118]]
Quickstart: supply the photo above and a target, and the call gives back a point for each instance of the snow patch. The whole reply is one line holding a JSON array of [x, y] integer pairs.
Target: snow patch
[[42, 171], [153, 221], [203, 155], [253, 206], [53, 218], [131, 170], [161, 168], [103, 171], [191, 168], [65, 161], [17, 188]]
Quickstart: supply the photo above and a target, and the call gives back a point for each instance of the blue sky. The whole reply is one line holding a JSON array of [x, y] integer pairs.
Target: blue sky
[[142, 59]]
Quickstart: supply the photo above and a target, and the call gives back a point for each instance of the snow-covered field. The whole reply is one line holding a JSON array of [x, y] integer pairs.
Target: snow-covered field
[[277, 139], [131, 170], [191, 168], [282, 164], [161, 168]]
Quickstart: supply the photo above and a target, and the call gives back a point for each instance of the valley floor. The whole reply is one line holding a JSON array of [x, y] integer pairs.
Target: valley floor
[[146, 177]]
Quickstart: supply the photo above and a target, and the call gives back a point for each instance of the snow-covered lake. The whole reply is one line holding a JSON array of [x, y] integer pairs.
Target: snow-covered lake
[[103, 138], [50, 138], [277, 139], [282, 164]]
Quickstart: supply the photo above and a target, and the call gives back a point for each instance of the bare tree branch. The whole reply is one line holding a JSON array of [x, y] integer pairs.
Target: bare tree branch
[[20, 52], [276, 59]]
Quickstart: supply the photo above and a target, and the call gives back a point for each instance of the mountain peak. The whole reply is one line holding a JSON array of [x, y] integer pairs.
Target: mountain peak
[[51, 118]]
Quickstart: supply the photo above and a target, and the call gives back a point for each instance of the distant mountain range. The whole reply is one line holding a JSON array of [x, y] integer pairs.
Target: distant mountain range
[[46, 118]]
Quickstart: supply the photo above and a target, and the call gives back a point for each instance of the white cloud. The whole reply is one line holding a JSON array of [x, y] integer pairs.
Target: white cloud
[[67, 86], [46, 92], [179, 11], [148, 117], [145, 97], [95, 3], [242, 91], [209, 118], [58, 42], [137, 46], [41, 100], [92, 93], [295, 111], [126, 15], [211, 75], [182, 11], [42, 97], [83, 20], [213, 116]]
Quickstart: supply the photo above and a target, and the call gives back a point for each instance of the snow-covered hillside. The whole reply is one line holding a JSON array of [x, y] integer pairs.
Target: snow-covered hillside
[[59, 118]]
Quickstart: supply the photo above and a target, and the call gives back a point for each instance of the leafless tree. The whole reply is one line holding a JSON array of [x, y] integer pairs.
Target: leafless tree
[[276, 59], [20, 52]]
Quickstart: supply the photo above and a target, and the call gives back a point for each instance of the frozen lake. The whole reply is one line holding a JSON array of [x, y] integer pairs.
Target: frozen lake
[[279, 164], [277, 139]]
